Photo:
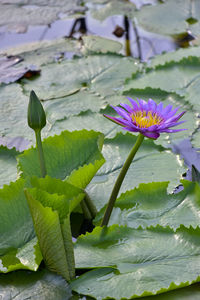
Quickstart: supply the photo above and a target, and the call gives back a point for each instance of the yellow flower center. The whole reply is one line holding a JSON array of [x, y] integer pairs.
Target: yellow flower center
[[145, 119]]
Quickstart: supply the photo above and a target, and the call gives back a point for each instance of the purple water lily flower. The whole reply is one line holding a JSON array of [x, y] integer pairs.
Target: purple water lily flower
[[148, 118]]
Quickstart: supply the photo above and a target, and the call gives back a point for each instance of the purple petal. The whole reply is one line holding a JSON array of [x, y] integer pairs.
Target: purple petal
[[152, 105], [134, 103], [159, 108], [142, 104], [176, 123], [167, 109], [130, 129], [171, 130], [151, 135], [152, 128], [122, 112], [127, 107], [118, 120], [175, 118], [173, 112]]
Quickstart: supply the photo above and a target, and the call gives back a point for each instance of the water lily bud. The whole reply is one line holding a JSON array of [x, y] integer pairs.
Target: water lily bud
[[36, 113]]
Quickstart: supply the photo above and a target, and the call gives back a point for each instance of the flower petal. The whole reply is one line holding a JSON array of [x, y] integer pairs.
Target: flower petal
[[151, 135], [121, 112], [134, 103]]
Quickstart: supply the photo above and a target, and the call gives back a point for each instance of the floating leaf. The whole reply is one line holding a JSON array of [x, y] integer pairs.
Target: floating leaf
[[151, 205], [175, 56], [71, 75], [43, 52], [8, 164], [98, 44], [124, 271], [21, 285], [168, 17], [181, 75], [19, 17]]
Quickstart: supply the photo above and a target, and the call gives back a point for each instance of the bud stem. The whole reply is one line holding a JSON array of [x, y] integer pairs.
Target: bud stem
[[120, 179], [40, 153]]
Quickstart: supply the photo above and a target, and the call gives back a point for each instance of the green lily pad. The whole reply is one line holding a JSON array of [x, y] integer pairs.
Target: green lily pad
[[71, 75], [181, 75], [71, 154], [160, 60], [21, 285], [8, 165], [43, 52], [168, 17], [151, 205], [124, 271], [98, 44], [18, 248]]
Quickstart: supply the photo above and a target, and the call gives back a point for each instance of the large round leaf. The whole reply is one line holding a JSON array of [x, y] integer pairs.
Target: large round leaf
[[168, 17], [43, 285], [135, 262], [150, 204]]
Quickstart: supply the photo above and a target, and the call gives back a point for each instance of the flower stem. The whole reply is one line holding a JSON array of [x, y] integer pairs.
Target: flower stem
[[120, 179], [40, 152]]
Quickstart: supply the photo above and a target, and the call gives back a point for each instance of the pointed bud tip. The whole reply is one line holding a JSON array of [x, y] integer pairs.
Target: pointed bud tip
[[36, 113]]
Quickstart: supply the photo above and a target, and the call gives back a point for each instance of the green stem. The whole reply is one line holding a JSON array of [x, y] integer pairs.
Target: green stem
[[40, 152], [90, 205], [120, 179], [85, 210]]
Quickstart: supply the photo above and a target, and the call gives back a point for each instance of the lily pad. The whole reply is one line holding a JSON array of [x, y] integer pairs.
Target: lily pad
[[75, 155], [44, 284], [18, 248], [8, 165], [168, 17], [98, 44], [151, 205], [124, 271], [72, 75], [18, 16]]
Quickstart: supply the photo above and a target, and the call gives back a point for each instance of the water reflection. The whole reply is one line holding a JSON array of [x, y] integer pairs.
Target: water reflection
[[136, 41]]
